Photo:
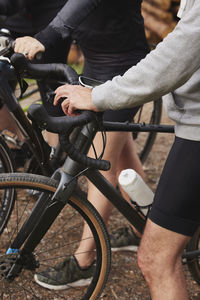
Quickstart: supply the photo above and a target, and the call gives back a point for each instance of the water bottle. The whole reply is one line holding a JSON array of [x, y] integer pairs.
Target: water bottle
[[139, 192]]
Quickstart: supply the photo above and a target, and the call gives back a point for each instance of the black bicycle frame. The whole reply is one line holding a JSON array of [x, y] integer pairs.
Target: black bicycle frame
[[137, 127], [34, 139], [47, 209]]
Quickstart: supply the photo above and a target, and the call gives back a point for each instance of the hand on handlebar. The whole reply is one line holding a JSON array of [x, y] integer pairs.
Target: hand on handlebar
[[77, 98], [28, 46]]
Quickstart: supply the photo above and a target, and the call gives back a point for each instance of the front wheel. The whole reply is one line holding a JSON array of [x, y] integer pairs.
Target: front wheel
[[57, 246]]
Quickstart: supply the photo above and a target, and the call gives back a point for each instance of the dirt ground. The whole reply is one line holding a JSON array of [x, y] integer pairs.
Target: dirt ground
[[125, 280]]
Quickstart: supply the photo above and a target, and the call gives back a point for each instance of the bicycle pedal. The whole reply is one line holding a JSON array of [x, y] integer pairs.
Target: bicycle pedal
[[11, 138]]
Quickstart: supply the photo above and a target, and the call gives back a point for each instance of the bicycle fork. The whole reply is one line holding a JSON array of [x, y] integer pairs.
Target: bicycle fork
[[43, 215]]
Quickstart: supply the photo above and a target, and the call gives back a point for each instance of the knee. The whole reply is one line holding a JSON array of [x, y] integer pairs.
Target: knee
[[146, 263]]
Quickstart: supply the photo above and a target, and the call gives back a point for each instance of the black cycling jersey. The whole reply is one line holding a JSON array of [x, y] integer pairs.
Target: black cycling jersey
[[29, 16], [99, 25], [110, 33]]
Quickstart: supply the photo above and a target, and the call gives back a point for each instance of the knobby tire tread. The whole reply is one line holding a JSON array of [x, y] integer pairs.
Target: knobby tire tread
[[79, 199]]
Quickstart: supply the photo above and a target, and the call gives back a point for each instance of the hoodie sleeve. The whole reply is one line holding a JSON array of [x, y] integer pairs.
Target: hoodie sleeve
[[69, 17], [163, 70]]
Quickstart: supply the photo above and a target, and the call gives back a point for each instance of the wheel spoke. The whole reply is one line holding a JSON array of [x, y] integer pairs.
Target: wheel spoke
[[57, 246]]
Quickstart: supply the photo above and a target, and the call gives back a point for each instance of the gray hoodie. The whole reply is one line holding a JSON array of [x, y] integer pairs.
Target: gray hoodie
[[172, 69]]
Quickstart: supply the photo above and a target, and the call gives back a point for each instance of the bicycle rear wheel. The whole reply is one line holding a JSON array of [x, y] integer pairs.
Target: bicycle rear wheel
[[150, 113], [194, 263], [60, 242], [7, 197]]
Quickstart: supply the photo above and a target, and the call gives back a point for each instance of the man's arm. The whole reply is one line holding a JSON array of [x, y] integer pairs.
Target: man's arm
[[166, 68], [70, 16]]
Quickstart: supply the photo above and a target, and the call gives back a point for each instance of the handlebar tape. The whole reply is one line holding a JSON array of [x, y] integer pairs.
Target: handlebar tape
[[54, 72], [66, 124], [82, 158]]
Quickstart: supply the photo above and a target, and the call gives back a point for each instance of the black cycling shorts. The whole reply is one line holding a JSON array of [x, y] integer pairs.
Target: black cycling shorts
[[176, 203], [105, 66]]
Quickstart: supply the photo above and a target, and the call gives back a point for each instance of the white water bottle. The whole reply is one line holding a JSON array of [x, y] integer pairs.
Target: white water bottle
[[133, 184]]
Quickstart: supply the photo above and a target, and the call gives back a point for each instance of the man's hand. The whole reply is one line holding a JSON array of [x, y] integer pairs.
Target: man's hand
[[28, 46], [77, 98]]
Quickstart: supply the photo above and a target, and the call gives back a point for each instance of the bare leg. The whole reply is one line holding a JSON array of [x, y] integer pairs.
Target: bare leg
[[120, 152], [159, 258], [129, 158], [52, 139], [7, 122]]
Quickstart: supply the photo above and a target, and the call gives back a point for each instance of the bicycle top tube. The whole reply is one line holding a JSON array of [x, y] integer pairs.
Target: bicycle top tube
[[137, 127]]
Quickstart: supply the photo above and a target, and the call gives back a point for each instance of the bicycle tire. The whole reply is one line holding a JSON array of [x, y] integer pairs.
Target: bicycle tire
[[79, 207], [7, 199], [194, 263], [150, 113]]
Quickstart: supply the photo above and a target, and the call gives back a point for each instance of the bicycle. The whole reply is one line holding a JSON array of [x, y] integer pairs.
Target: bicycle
[[29, 244], [40, 159], [38, 155], [151, 113]]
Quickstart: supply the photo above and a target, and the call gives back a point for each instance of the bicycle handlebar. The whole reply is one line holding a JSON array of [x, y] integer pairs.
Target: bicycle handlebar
[[65, 125], [7, 44], [50, 72]]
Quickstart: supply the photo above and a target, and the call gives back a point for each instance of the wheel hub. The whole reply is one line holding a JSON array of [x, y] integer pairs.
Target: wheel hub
[[6, 263]]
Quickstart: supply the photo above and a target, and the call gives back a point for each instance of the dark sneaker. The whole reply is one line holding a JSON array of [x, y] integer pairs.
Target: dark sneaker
[[124, 239], [65, 275]]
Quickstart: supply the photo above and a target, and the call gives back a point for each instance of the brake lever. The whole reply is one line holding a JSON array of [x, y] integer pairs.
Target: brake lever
[[51, 95], [50, 99]]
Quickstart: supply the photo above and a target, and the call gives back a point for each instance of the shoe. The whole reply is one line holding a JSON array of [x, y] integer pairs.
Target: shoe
[[124, 239], [65, 275]]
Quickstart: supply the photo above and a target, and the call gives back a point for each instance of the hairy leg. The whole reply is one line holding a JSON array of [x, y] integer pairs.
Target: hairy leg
[[159, 258]]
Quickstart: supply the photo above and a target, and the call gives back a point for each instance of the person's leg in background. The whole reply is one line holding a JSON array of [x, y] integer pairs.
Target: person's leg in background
[[120, 151], [118, 143], [8, 122]]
